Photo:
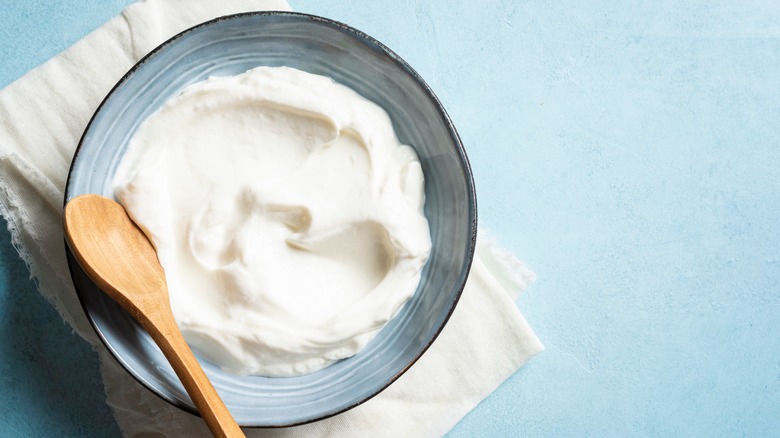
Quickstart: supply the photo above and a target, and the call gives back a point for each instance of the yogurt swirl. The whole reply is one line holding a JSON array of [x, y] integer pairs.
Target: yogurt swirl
[[286, 214]]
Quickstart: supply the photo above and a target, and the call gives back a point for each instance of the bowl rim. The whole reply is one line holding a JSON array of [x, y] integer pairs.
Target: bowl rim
[[366, 39]]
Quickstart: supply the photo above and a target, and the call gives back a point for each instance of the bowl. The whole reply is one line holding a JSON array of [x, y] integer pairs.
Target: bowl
[[231, 45]]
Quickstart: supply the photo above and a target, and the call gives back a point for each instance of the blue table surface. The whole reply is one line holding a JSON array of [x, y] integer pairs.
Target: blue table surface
[[629, 151]]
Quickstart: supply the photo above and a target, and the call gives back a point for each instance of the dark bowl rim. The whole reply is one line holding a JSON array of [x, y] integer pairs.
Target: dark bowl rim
[[365, 39]]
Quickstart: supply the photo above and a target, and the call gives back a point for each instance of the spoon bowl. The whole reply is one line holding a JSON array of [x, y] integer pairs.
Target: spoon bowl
[[119, 258]]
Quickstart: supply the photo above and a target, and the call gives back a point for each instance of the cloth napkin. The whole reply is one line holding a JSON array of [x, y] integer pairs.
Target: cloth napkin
[[42, 116]]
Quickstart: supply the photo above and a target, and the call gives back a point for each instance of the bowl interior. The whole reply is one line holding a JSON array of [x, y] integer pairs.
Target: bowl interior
[[232, 45]]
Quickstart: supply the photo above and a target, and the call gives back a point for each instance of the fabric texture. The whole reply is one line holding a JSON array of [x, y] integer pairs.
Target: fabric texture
[[42, 116]]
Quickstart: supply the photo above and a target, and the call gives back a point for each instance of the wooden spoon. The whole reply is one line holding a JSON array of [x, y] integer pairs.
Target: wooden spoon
[[118, 257]]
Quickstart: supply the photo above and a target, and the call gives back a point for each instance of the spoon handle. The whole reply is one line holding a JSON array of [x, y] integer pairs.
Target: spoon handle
[[163, 329]]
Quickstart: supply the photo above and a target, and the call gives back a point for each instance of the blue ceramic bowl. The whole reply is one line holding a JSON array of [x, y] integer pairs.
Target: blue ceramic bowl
[[232, 45]]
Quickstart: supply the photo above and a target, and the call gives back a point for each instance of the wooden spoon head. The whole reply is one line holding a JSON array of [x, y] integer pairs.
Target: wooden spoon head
[[115, 253], [118, 257]]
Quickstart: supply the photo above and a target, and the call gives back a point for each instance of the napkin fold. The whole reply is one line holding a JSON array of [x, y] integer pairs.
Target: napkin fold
[[42, 116]]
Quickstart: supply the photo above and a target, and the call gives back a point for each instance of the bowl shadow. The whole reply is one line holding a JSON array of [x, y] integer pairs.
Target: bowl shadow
[[50, 377]]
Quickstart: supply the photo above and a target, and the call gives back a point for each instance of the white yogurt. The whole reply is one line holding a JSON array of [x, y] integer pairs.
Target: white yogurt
[[287, 216]]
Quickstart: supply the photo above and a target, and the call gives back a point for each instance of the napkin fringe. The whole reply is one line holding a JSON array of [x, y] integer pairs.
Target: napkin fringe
[[23, 236], [510, 272]]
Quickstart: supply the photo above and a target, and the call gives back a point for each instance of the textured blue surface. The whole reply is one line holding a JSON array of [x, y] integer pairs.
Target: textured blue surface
[[48, 375], [628, 151]]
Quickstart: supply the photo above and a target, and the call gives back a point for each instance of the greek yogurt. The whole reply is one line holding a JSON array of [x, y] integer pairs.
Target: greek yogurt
[[286, 214]]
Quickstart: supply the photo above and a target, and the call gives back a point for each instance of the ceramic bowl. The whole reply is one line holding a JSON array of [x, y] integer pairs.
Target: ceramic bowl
[[232, 45]]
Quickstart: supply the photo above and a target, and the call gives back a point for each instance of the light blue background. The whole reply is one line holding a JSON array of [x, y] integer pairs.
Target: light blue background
[[629, 151]]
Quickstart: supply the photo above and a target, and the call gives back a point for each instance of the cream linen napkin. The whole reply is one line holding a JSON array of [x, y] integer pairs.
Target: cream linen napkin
[[42, 116]]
